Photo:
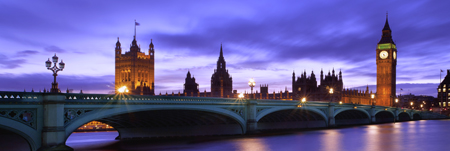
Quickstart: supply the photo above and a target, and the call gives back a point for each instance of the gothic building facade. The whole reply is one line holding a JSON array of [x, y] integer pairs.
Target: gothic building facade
[[190, 86], [306, 86], [221, 81], [386, 59], [135, 69]]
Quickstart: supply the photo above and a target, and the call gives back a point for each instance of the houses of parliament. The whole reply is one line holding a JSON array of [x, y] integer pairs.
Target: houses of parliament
[[135, 70]]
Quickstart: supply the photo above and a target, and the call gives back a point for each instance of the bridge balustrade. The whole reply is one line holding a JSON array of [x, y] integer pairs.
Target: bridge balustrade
[[46, 119]]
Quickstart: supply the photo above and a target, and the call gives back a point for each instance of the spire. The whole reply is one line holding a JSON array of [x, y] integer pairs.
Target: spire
[[134, 43], [221, 51], [386, 25], [221, 64], [151, 43], [118, 43], [386, 33], [188, 74]]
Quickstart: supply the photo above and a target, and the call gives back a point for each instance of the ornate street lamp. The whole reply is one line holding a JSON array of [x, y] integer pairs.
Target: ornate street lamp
[[372, 96], [396, 102], [55, 70], [331, 94], [251, 83]]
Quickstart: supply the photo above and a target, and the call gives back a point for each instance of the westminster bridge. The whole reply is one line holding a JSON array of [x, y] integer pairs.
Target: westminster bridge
[[46, 120]]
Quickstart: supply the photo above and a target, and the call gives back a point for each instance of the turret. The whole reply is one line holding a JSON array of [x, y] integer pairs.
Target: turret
[[151, 49], [221, 65], [118, 48]]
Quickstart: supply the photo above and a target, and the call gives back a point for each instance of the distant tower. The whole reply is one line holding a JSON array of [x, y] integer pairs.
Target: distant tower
[[190, 86], [221, 81], [386, 54], [134, 69]]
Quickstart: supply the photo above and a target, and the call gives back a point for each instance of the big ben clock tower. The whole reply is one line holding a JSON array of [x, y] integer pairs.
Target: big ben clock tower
[[386, 68]]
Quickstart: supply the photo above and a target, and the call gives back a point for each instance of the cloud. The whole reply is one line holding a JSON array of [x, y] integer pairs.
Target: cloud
[[8, 63], [26, 53], [54, 49]]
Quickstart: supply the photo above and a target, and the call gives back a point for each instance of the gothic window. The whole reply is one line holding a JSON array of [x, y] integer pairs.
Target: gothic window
[[221, 65]]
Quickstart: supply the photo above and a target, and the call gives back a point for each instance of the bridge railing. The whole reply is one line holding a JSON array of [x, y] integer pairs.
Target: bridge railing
[[20, 96]]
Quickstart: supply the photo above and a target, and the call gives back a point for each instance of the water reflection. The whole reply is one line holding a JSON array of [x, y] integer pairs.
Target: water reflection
[[411, 136], [251, 144], [331, 140]]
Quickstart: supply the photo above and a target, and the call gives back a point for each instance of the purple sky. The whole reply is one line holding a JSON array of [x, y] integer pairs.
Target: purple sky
[[263, 40]]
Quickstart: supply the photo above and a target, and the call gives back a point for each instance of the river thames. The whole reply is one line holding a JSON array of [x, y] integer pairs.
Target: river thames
[[411, 136]]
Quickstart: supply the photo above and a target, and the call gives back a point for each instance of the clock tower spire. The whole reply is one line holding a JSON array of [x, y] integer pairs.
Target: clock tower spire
[[386, 59]]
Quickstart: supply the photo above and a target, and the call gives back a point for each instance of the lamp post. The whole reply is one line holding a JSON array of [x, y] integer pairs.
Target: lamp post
[[331, 94], [251, 83], [396, 102], [412, 105], [55, 70], [372, 96]]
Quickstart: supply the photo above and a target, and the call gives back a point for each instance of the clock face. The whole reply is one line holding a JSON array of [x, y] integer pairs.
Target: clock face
[[383, 54], [394, 55]]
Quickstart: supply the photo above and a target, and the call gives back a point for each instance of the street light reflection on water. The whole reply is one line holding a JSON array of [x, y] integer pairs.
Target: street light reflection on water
[[411, 136]]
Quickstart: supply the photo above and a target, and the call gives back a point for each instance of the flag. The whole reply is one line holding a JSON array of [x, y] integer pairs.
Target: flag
[[136, 23]]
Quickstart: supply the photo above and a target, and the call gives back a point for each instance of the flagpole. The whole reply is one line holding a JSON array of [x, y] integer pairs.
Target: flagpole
[[135, 29]]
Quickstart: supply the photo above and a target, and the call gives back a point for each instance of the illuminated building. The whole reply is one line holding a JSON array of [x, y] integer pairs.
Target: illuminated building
[[135, 69], [95, 126], [386, 59], [444, 91]]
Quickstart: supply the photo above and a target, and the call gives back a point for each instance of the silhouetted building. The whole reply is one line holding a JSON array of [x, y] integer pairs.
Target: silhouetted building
[[306, 87], [221, 81], [386, 54], [190, 86], [135, 69], [444, 90]]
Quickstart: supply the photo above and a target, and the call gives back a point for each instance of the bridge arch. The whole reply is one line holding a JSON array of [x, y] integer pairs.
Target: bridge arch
[[351, 116], [384, 116], [121, 110], [26, 132], [416, 116], [290, 118], [403, 116], [274, 109]]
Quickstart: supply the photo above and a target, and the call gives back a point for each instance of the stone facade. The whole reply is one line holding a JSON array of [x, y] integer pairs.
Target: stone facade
[[135, 69], [386, 59]]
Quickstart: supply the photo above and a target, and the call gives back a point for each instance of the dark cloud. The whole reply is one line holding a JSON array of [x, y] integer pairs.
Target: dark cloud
[[8, 63], [25, 53]]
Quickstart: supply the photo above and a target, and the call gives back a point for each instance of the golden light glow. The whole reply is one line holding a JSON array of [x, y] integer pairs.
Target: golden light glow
[[396, 100], [303, 99], [251, 82], [421, 105], [355, 107], [372, 96], [123, 89], [412, 103], [299, 105], [241, 95], [331, 91], [340, 102]]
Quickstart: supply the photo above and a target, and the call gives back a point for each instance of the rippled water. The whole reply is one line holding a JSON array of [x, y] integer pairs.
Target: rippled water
[[412, 136]]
